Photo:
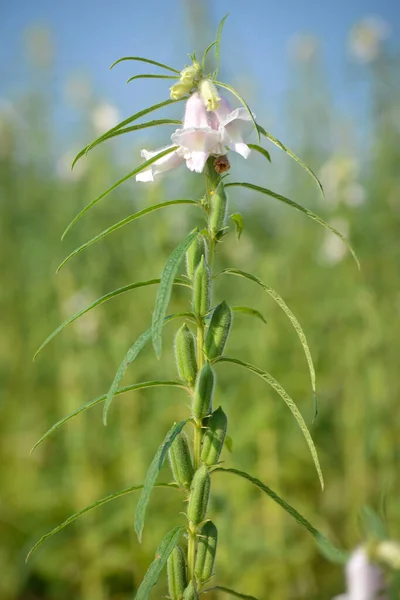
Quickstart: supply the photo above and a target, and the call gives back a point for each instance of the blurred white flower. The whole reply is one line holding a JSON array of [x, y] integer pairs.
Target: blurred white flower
[[104, 117], [364, 580], [303, 47], [87, 326], [333, 250], [78, 90], [354, 194], [63, 167], [366, 37], [339, 177]]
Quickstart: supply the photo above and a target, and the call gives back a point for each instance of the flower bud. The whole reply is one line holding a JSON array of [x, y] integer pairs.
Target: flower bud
[[202, 288], [218, 330], [191, 73], [199, 496], [180, 89], [209, 94], [185, 354], [388, 552], [214, 437], [206, 550], [191, 592], [181, 461], [193, 256], [219, 205], [203, 392], [176, 569]]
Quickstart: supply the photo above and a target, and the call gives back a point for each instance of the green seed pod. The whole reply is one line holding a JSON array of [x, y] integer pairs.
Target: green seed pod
[[176, 569], [206, 550], [199, 496], [214, 437], [185, 354], [219, 206], [190, 593], [203, 391], [202, 288], [218, 330], [197, 249], [181, 461]]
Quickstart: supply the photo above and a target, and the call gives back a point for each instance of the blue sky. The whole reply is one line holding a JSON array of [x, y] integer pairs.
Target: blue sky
[[89, 34]]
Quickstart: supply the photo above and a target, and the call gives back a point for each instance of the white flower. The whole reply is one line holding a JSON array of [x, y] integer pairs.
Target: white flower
[[165, 163], [104, 117], [234, 126], [364, 579]]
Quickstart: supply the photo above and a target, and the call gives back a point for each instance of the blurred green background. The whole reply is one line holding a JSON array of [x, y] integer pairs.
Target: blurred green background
[[351, 319]]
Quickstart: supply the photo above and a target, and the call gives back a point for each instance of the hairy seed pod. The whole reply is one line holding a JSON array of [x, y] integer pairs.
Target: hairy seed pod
[[202, 288], [176, 569], [185, 354], [219, 205], [199, 496], [181, 461], [203, 392], [214, 437], [218, 330], [206, 550], [191, 593], [197, 249]]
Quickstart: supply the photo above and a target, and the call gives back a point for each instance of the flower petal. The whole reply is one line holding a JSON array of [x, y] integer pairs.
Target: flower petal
[[195, 112], [165, 163]]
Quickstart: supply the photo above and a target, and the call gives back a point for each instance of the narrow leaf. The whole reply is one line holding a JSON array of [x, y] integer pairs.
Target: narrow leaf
[[281, 303], [127, 121], [321, 540], [230, 592], [239, 97], [249, 311], [238, 222], [289, 403], [153, 572], [218, 44], [146, 60], [143, 166], [260, 150], [105, 298], [206, 51], [129, 388], [301, 208], [152, 474], [150, 76], [282, 146], [90, 507], [122, 223], [165, 288]]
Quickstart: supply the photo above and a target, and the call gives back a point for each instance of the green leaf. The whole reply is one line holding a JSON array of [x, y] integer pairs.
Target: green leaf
[[228, 443], [373, 524], [206, 51], [164, 290], [238, 222], [90, 507], [122, 223], [146, 60], [321, 540], [218, 44], [239, 97], [150, 76], [261, 150], [108, 136], [152, 474], [153, 572], [230, 592], [289, 403], [282, 146], [301, 208], [281, 303], [127, 121], [129, 388], [249, 311], [143, 166], [105, 298]]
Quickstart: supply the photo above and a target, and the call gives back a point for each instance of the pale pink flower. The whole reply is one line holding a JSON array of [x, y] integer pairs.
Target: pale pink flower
[[234, 126], [165, 163], [364, 579]]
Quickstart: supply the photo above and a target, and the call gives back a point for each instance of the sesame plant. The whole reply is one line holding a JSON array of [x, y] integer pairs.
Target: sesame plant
[[211, 129]]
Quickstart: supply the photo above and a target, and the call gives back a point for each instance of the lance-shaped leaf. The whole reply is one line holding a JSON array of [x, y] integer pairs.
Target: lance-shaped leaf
[[288, 151], [299, 207], [154, 571], [152, 474], [143, 166], [218, 44], [260, 150], [150, 76], [249, 311], [129, 388], [165, 288], [281, 303], [145, 60], [324, 544], [206, 51], [113, 133], [239, 97], [289, 403], [105, 298], [238, 222], [122, 223], [90, 507], [122, 124], [230, 592]]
